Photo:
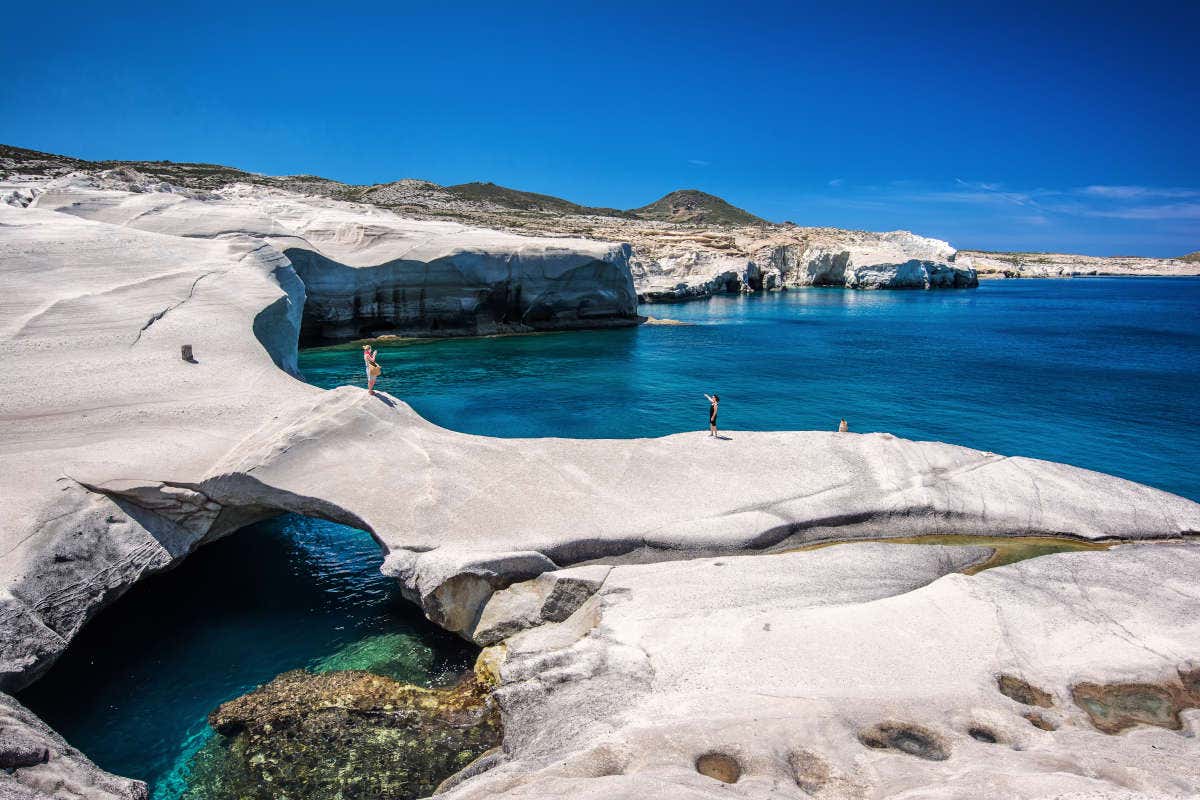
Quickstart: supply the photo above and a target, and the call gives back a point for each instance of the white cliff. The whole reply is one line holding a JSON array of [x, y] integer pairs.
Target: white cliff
[[368, 271], [754, 258]]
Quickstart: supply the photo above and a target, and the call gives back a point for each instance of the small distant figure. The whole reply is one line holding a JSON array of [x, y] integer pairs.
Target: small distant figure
[[712, 413], [843, 427], [373, 368]]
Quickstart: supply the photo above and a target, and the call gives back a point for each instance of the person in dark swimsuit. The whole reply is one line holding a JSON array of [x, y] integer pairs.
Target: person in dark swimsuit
[[712, 413]]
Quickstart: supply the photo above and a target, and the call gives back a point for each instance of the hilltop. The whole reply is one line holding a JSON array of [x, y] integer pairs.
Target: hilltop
[[696, 207]]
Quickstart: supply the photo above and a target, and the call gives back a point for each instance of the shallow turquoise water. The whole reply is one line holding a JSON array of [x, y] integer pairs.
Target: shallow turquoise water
[[1094, 372], [135, 687], [1097, 372]]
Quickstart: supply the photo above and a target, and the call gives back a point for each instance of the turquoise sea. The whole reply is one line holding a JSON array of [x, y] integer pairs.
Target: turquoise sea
[[1097, 372]]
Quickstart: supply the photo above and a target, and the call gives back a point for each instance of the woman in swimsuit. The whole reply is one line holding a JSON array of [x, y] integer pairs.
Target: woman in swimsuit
[[712, 413], [372, 368]]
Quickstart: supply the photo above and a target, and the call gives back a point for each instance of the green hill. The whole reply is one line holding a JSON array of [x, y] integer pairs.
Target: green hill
[[523, 201], [692, 205]]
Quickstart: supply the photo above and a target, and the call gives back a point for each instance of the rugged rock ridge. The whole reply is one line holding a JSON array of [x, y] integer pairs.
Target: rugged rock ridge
[[35, 763], [862, 670]]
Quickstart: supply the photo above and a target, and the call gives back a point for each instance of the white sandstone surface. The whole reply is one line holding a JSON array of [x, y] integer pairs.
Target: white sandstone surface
[[787, 663], [117, 458], [679, 265]]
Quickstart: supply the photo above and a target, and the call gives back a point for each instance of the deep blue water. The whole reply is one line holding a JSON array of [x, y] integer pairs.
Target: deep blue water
[[135, 687], [1097, 372]]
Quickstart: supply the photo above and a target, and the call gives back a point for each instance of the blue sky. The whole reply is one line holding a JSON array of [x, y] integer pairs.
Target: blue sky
[[1045, 126]]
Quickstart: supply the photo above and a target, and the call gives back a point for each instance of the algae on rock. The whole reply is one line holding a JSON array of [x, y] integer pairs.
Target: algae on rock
[[344, 734]]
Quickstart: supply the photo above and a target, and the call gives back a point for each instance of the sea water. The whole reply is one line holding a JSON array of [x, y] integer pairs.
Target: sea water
[[1095, 372], [135, 687]]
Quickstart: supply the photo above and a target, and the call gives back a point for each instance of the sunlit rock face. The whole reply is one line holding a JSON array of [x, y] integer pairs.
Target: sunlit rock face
[[685, 268], [856, 671]]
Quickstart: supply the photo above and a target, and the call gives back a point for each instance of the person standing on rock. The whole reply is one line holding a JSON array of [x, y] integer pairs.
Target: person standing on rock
[[373, 368], [713, 400]]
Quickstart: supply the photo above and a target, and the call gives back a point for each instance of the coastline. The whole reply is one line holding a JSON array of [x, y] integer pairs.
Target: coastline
[[631, 646]]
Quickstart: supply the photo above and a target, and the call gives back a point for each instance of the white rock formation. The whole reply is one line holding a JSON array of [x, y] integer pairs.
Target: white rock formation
[[778, 258], [117, 458], [368, 271], [860, 671]]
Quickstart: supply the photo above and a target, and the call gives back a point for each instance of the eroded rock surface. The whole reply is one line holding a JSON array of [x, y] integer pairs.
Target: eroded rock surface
[[865, 670], [367, 271]]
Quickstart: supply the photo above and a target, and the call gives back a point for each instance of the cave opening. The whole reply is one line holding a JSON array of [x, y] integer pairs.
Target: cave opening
[[134, 689]]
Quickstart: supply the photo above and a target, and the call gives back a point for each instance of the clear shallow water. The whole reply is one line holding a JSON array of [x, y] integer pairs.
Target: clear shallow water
[[135, 687], [1097, 372]]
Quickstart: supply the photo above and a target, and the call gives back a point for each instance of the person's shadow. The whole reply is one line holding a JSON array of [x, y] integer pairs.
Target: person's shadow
[[724, 437], [387, 401]]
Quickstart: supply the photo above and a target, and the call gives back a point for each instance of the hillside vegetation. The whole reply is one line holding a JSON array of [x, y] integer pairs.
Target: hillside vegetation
[[696, 207]]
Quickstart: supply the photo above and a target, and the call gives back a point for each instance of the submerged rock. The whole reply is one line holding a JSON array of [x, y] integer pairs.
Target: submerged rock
[[345, 734]]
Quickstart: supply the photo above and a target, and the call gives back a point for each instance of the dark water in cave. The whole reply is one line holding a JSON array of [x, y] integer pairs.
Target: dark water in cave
[[135, 687]]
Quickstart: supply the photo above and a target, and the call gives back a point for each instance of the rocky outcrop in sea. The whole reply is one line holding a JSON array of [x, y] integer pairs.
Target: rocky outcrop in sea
[[343, 734]]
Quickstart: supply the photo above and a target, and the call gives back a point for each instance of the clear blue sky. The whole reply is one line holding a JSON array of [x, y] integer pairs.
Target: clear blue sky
[[998, 125]]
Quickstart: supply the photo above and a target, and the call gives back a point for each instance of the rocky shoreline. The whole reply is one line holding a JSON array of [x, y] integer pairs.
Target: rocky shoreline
[[1060, 265], [686, 246], [651, 623]]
